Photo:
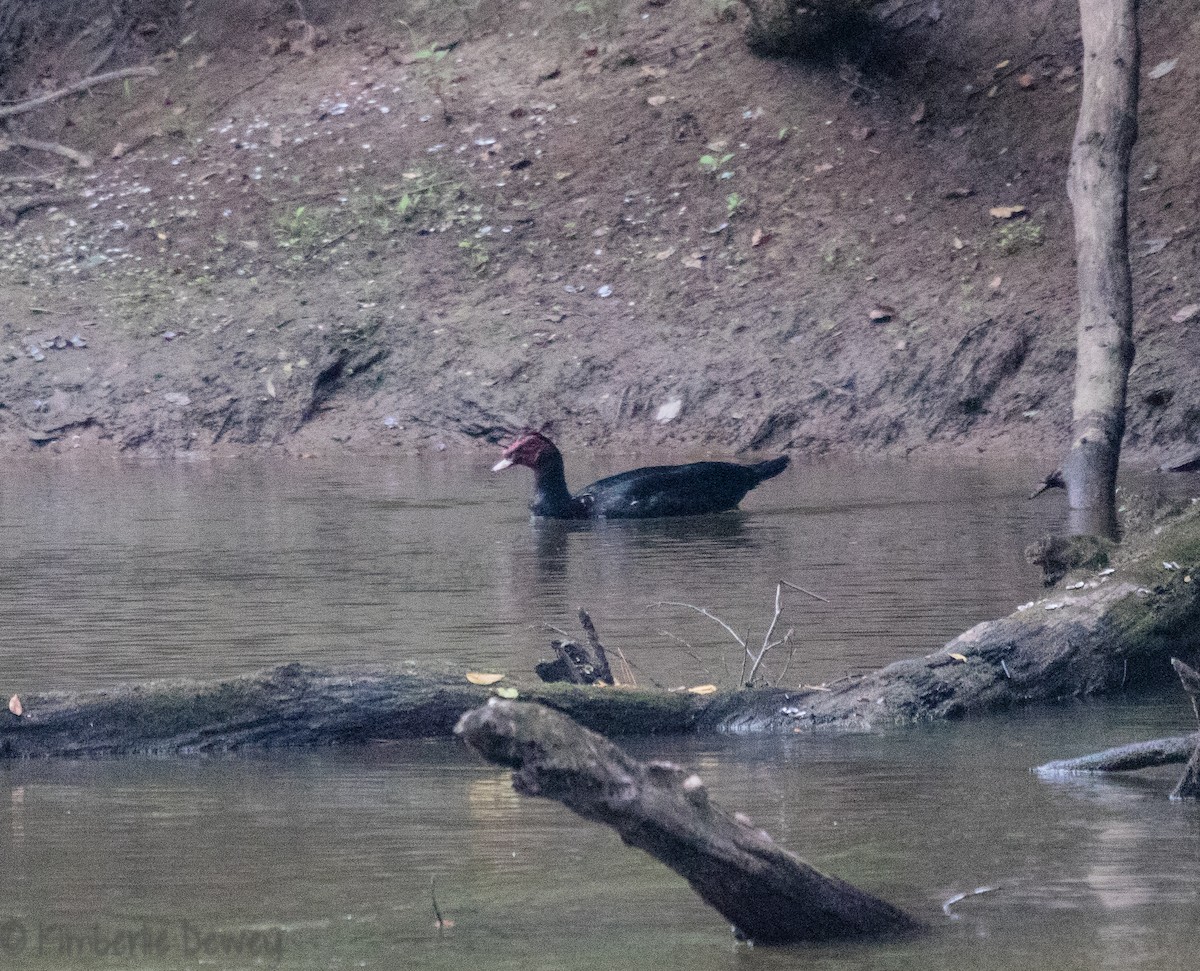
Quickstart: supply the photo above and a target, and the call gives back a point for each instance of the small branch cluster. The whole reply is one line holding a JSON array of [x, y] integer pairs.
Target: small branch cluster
[[753, 657], [9, 139]]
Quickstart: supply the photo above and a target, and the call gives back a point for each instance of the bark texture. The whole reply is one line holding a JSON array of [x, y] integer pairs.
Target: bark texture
[[1098, 184], [298, 705], [770, 895]]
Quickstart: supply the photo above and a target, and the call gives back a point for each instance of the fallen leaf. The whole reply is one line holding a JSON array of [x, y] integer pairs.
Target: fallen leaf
[[693, 262], [823, 167], [507, 692], [479, 677], [654, 72], [861, 134], [1025, 80], [665, 254], [958, 243], [1162, 69], [959, 192], [1152, 246], [1006, 212], [1003, 64], [995, 282], [14, 705], [270, 387], [656, 100], [703, 689], [758, 237], [918, 114], [119, 149], [958, 657], [1184, 314]]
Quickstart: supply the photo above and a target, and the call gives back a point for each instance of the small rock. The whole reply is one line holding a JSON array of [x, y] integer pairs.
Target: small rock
[[604, 291]]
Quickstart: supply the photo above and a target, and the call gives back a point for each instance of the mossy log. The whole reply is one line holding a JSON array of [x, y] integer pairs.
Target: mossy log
[[298, 705], [769, 894]]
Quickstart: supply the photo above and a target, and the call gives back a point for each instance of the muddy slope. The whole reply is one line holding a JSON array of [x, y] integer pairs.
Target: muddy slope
[[414, 225]]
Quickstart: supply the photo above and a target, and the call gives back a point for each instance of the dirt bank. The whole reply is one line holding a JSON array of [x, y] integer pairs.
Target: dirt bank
[[414, 228]]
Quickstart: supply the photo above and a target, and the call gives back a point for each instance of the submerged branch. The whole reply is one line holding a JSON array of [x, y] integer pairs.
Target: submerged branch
[[769, 894]]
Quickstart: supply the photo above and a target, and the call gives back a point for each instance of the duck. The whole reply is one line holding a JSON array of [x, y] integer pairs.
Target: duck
[[695, 489]]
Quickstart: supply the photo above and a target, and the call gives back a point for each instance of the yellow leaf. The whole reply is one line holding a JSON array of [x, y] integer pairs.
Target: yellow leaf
[[506, 692], [958, 657], [478, 677], [703, 689], [14, 705]]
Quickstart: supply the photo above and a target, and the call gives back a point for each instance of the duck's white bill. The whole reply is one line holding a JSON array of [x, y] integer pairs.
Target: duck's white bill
[[502, 464]]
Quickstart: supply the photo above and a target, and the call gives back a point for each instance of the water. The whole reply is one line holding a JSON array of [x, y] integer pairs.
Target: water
[[208, 570], [327, 856]]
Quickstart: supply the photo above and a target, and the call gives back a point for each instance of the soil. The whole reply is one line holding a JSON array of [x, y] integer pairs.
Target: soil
[[364, 226]]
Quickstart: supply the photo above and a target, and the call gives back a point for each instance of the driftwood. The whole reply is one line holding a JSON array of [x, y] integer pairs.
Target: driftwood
[[769, 894], [1145, 755], [1127, 758], [577, 664], [298, 705]]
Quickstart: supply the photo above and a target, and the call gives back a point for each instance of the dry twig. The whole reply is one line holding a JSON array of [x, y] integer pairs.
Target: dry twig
[[8, 111]]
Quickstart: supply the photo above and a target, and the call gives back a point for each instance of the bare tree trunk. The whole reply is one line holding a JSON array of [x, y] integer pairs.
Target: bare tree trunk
[[1098, 185]]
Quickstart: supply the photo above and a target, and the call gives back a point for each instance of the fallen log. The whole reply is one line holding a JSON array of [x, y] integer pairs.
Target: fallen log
[[298, 705], [769, 894]]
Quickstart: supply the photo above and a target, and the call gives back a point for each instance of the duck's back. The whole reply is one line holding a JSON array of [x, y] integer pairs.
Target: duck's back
[[676, 490]]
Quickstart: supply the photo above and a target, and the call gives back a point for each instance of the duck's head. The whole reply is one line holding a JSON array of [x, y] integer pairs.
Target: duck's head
[[532, 449]]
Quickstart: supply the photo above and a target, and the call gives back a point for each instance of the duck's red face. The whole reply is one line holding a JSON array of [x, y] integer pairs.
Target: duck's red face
[[529, 449]]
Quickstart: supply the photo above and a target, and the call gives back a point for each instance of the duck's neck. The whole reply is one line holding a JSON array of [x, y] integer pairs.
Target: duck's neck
[[551, 496]]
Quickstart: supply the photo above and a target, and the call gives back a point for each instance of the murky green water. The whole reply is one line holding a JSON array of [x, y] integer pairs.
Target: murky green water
[[324, 859]]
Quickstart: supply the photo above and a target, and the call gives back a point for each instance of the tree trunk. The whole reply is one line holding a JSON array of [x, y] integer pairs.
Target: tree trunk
[[1098, 184], [769, 894]]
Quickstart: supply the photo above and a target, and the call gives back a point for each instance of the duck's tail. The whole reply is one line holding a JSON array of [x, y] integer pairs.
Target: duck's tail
[[770, 468]]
